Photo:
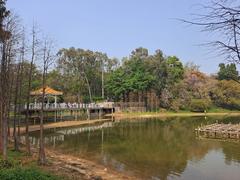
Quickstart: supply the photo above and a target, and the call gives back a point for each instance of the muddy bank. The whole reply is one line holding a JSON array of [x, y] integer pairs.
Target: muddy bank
[[78, 168], [71, 167]]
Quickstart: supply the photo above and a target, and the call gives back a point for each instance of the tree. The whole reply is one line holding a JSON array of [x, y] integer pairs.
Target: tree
[[29, 88], [175, 69], [8, 43], [222, 18], [228, 72], [17, 93], [115, 84], [158, 67], [47, 62], [226, 94], [87, 69], [133, 76]]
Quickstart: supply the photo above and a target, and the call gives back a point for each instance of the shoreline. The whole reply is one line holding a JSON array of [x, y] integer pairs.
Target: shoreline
[[70, 167], [81, 167], [170, 114], [124, 115]]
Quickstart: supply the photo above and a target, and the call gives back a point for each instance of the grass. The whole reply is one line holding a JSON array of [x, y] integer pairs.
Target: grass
[[212, 110], [20, 173], [16, 169]]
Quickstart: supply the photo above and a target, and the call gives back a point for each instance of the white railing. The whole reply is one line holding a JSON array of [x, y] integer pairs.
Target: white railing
[[38, 106]]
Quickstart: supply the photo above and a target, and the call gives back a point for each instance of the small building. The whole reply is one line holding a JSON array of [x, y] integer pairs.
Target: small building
[[49, 92]]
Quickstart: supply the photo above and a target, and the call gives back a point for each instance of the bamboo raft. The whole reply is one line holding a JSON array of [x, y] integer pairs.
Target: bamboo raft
[[219, 131]]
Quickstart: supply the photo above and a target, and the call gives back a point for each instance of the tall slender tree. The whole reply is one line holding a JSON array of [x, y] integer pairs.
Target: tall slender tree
[[34, 47], [48, 60]]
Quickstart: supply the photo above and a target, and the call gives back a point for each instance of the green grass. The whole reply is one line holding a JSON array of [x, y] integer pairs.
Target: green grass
[[221, 110], [20, 173], [12, 169], [168, 112]]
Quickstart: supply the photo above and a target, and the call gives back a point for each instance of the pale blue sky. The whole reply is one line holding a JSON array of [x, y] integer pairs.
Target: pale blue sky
[[118, 27]]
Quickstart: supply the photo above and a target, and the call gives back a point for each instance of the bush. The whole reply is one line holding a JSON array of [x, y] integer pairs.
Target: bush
[[199, 105], [232, 104], [175, 106], [6, 164], [25, 174]]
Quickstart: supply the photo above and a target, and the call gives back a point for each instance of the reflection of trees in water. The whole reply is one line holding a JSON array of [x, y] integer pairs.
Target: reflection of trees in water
[[231, 151], [157, 147], [147, 147]]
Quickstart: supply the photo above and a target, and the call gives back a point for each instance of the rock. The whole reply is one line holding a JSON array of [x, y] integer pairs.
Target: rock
[[81, 171], [96, 178]]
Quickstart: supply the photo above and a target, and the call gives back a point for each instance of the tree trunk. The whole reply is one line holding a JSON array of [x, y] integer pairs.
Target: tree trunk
[[42, 156], [89, 88], [3, 102], [102, 83], [16, 147], [29, 89]]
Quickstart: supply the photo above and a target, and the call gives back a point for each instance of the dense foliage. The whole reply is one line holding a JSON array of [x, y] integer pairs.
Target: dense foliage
[[156, 80]]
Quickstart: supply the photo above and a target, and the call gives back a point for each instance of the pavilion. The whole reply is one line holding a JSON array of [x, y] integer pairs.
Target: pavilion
[[49, 92]]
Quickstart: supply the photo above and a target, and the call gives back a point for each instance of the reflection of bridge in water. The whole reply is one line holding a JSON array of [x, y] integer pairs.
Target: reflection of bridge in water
[[84, 129], [59, 135]]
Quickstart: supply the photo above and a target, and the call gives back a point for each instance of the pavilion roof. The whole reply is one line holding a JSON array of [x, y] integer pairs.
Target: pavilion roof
[[48, 91]]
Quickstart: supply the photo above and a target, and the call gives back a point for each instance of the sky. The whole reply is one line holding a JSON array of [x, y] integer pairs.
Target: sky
[[118, 27]]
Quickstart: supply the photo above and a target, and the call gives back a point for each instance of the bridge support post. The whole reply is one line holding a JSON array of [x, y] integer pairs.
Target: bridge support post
[[76, 115], [55, 116], [112, 113], [88, 114], [100, 113]]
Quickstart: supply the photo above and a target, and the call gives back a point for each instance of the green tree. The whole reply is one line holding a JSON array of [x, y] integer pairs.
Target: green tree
[[115, 84], [228, 72], [175, 69], [131, 77], [158, 67], [226, 94], [85, 71]]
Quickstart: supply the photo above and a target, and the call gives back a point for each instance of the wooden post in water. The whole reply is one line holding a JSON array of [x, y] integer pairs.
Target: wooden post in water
[[100, 112], [88, 114], [75, 113], [55, 116], [112, 113]]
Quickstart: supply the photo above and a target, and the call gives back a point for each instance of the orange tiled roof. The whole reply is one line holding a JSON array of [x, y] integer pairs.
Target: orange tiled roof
[[48, 91]]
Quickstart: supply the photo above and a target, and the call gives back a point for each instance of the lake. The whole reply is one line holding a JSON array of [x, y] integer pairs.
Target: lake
[[152, 148]]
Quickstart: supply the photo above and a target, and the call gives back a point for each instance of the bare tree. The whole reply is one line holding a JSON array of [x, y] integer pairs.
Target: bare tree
[[34, 46], [17, 94], [222, 18], [9, 48], [48, 60]]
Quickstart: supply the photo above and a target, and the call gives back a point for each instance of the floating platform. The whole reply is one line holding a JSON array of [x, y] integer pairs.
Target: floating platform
[[219, 131]]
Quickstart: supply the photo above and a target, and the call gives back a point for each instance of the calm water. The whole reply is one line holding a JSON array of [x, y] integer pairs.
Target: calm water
[[152, 148]]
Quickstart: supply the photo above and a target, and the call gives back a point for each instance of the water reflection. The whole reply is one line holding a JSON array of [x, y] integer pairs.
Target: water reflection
[[157, 149]]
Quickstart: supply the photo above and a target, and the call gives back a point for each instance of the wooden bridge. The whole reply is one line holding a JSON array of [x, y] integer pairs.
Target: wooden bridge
[[219, 131], [74, 108]]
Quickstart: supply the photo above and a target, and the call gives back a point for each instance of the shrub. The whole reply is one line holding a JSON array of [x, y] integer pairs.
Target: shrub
[[175, 106], [232, 103], [199, 105], [6, 164], [25, 174]]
